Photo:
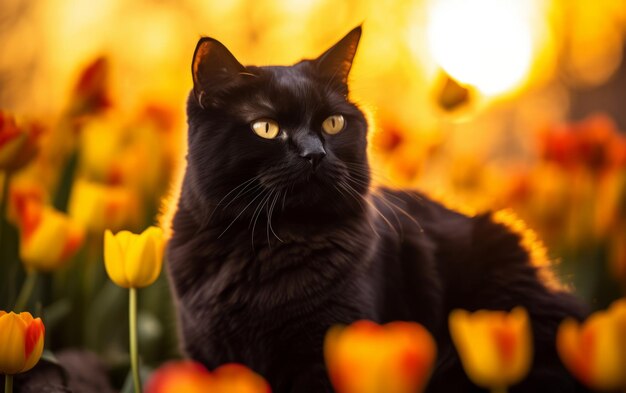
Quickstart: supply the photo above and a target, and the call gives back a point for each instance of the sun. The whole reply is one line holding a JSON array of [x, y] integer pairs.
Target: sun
[[484, 43]]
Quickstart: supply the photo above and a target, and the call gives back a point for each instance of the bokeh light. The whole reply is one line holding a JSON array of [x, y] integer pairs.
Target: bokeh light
[[484, 43]]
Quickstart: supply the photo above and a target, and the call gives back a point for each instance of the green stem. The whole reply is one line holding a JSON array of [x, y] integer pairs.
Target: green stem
[[26, 291], [8, 383], [134, 356]]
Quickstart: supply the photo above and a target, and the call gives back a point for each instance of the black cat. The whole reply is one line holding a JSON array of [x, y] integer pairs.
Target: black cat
[[278, 234]]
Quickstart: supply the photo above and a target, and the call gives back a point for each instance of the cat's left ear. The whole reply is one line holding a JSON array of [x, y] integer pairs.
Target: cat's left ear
[[336, 62], [213, 68]]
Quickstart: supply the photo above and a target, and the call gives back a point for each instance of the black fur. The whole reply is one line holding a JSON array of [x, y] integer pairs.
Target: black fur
[[268, 253]]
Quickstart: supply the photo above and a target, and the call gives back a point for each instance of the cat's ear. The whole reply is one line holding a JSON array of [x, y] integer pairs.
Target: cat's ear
[[212, 67], [336, 62]]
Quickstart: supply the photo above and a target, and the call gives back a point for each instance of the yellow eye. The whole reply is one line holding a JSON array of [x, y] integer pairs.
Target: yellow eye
[[333, 124], [266, 128]]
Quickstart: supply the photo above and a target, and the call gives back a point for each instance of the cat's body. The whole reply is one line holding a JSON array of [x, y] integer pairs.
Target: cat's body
[[272, 245]]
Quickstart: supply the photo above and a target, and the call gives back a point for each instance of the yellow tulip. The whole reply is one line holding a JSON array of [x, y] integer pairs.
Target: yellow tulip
[[595, 351], [368, 358], [132, 155], [99, 206], [48, 238], [495, 347], [131, 260], [21, 342]]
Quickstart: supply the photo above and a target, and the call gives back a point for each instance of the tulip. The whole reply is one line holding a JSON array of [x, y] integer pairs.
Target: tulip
[[180, 376], [99, 206], [48, 238], [23, 189], [595, 351], [134, 261], [21, 344], [495, 347], [118, 154], [368, 358], [18, 145], [90, 92], [191, 377]]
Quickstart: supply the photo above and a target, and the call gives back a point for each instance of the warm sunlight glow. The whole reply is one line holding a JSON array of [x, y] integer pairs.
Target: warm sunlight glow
[[483, 43]]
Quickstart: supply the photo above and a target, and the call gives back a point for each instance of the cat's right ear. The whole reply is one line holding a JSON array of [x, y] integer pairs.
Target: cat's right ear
[[213, 67]]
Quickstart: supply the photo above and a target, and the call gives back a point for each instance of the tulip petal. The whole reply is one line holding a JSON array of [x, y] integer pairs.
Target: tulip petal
[[43, 250], [235, 378], [12, 335], [143, 264], [609, 365], [180, 376], [33, 345], [159, 244], [74, 237], [114, 256], [495, 347], [592, 351], [365, 357]]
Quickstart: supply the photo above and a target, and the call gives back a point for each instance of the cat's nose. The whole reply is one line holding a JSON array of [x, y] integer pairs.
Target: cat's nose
[[310, 148], [314, 157]]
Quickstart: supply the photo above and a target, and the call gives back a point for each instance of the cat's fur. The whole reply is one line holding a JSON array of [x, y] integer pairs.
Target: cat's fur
[[263, 292]]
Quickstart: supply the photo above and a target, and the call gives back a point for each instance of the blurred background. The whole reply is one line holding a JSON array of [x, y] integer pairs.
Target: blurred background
[[483, 104]]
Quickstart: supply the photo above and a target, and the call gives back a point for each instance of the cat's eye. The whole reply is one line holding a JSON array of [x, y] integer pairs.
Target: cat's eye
[[333, 124], [265, 128]]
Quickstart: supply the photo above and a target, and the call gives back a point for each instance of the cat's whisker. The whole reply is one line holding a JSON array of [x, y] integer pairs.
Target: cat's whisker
[[258, 208], [369, 171], [383, 198], [243, 192], [285, 197], [393, 211], [257, 213], [239, 215], [233, 190], [269, 219], [359, 199], [373, 206]]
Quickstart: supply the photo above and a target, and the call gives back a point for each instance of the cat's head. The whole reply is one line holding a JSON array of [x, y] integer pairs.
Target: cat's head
[[280, 136]]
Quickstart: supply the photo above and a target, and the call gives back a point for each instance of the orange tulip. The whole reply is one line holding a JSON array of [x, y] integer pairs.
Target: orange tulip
[[495, 347], [90, 92], [48, 238], [23, 190], [18, 145], [367, 358], [192, 377], [595, 351], [21, 342]]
